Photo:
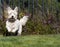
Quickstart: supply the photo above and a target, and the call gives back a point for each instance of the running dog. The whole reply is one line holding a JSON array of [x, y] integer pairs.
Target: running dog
[[13, 25]]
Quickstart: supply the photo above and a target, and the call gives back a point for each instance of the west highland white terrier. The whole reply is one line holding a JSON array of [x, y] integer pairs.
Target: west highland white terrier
[[13, 25]]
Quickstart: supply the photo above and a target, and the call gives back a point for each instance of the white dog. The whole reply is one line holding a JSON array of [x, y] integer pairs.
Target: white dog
[[12, 23]]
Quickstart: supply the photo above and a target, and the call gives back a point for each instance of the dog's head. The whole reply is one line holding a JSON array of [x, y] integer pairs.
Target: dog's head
[[12, 14]]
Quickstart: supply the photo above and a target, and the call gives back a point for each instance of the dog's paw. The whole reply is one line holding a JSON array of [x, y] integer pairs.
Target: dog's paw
[[18, 34]]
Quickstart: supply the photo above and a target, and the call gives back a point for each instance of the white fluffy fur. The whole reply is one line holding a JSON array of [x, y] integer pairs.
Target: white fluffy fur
[[12, 27], [22, 23], [23, 20], [17, 25], [12, 12]]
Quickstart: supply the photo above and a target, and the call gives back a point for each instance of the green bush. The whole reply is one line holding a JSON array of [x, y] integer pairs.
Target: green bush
[[35, 26]]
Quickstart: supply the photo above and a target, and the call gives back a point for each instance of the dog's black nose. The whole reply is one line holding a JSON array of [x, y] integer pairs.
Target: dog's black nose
[[12, 17]]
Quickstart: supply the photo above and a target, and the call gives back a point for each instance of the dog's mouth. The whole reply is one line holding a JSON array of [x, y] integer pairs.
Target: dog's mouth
[[11, 19]]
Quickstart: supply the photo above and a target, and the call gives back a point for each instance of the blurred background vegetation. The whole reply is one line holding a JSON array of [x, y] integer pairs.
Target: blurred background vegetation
[[45, 15]]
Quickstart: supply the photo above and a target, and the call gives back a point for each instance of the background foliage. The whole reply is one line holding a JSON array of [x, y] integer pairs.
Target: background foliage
[[45, 16]]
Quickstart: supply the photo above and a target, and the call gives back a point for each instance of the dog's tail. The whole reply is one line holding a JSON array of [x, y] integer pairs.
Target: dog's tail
[[24, 20]]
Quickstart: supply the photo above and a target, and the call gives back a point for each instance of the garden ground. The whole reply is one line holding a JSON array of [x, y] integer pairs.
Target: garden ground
[[30, 41]]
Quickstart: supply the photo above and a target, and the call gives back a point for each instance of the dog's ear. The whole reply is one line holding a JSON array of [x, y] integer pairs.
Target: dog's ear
[[9, 8], [16, 9]]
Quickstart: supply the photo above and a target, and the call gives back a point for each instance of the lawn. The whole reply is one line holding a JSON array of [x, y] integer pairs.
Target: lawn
[[30, 41]]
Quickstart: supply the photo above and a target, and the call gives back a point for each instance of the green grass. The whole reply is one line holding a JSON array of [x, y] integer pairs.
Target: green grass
[[30, 41]]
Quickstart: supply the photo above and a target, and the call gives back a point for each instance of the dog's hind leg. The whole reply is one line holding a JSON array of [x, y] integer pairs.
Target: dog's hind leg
[[20, 30]]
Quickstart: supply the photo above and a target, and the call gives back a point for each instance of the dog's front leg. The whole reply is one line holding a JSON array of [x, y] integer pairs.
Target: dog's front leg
[[15, 29], [8, 28], [20, 30], [7, 31]]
